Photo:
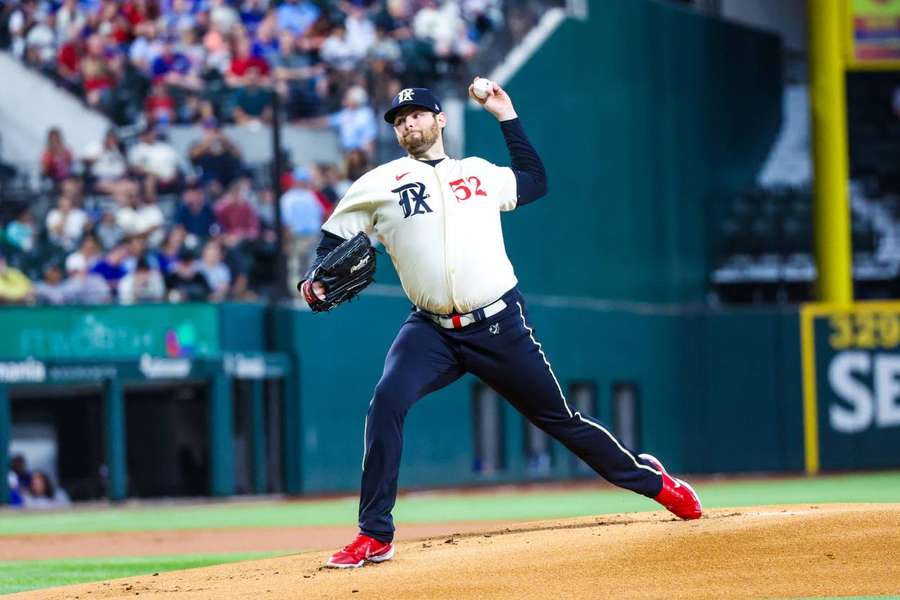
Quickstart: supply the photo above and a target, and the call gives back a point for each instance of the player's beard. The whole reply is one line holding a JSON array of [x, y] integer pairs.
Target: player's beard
[[417, 142]]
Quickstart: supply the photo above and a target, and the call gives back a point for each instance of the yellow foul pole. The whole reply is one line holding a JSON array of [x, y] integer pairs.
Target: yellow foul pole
[[831, 226]]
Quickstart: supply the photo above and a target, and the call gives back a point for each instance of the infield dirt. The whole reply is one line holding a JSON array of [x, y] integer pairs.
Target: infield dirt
[[758, 552]]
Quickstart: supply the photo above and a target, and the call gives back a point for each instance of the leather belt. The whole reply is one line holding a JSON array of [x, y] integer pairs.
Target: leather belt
[[458, 321]]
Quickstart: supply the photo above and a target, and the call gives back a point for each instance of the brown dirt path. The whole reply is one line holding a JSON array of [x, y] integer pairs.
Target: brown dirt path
[[206, 541], [758, 552]]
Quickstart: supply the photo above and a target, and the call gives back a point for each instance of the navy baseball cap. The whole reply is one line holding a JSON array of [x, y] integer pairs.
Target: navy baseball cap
[[421, 97]]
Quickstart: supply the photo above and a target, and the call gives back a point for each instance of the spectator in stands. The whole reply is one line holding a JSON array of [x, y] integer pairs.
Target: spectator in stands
[[137, 249], [20, 22], [340, 52], [185, 283], [385, 53], [126, 196], [194, 214], [18, 479], [40, 46], [51, 289], [215, 44], [41, 493], [295, 74], [240, 231], [360, 30], [67, 222], [222, 16], [108, 231], [82, 286], [156, 161], [302, 214], [355, 123], [252, 102], [297, 16], [253, 13], [21, 232], [179, 17], [192, 49], [335, 183], [15, 287], [395, 17], [171, 246], [443, 27], [159, 107], [90, 252], [97, 74], [173, 68], [68, 63], [56, 160], [145, 47], [236, 215], [112, 266], [242, 61], [69, 18], [148, 221], [144, 284], [106, 163], [216, 156], [216, 272]]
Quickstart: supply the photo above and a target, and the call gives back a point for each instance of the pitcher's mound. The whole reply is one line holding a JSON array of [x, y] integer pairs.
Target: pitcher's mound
[[759, 552]]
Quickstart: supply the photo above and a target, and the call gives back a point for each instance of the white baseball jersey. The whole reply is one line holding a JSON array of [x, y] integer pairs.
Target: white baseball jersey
[[440, 225]]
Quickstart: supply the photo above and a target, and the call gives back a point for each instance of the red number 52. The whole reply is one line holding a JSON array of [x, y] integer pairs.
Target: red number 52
[[460, 186]]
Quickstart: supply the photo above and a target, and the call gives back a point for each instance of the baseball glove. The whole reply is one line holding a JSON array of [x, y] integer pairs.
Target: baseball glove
[[345, 272]]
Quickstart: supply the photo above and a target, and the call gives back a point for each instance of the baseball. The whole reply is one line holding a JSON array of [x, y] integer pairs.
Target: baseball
[[482, 87]]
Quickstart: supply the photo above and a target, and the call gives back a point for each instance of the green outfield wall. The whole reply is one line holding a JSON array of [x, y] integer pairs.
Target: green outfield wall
[[710, 391], [718, 391], [647, 117]]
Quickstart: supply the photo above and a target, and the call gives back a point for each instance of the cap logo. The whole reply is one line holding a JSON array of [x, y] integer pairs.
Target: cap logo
[[405, 95]]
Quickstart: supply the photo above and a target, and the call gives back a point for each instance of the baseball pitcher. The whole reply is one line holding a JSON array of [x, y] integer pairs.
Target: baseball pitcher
[[439, 219]]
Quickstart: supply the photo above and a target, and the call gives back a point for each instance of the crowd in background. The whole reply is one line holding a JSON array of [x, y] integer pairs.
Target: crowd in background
[[33, 489], [133, 220], [188, 60], [151, 233]]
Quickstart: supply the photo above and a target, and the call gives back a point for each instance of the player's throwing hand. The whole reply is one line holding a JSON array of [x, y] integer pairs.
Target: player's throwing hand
[[497, 102]]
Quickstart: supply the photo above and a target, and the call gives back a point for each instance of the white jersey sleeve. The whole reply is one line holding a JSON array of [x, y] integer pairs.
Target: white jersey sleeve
[[503, 184], [355, 212]]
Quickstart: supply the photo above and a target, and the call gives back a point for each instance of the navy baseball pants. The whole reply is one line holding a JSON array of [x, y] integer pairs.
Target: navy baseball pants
[[503, 352]]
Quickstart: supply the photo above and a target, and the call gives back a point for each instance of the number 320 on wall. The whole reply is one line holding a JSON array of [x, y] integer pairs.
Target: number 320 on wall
[[864, 330]]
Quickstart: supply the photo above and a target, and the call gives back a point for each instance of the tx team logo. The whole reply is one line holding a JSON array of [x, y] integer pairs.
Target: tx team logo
[[412, 199], [405, 95]]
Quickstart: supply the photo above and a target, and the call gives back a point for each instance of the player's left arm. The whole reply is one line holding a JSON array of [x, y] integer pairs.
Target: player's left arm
[[531, 178]]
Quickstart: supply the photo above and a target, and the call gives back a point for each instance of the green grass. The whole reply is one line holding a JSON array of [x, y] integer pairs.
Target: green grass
[[19, 576], [424, 508]]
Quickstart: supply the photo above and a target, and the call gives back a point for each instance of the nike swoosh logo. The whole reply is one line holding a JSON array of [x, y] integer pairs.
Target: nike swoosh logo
[[399, 177]]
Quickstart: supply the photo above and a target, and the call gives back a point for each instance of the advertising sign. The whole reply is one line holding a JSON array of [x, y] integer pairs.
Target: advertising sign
[[166, 330], [851, 385], [874, 32]]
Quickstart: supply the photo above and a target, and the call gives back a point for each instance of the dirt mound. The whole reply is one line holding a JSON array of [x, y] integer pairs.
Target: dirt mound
[[759, 552], [282, 540]]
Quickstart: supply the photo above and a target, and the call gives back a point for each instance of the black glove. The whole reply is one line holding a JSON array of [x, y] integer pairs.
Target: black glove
[[344, 272]]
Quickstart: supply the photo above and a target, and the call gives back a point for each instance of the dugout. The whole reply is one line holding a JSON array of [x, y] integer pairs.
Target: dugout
[[150, 426]]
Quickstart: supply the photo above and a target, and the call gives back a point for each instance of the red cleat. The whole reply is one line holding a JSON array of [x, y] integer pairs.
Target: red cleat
[[676, 495], [360, 550]]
